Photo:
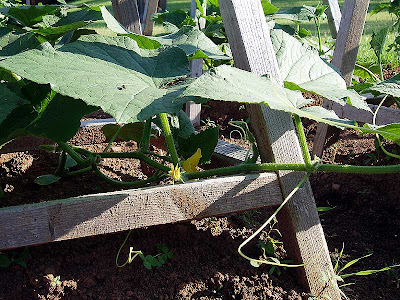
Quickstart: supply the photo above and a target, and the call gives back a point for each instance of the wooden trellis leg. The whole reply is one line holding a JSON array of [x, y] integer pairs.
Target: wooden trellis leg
[[150, 8], [127, 13], [334, 16], [193, 110], [344, 57], [249, 38]]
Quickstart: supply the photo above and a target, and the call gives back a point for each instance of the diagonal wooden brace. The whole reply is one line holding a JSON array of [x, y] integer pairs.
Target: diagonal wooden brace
[[252, 49]]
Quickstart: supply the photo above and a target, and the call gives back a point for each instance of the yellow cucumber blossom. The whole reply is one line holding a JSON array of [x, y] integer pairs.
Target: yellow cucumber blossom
[[190, 165], [175, 173]]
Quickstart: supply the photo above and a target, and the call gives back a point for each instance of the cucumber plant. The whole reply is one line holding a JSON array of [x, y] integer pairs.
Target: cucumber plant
[[55, 68]]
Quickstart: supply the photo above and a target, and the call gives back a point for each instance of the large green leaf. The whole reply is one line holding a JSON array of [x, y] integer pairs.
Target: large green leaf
[[302, 69], [58, 122], [143, 41], [30, 15], [194, 42], [128, 132], [268, 8], [390, 132], [14, 124], [8, 100], [390, 86], [206, 140], [378, 41], [231, 84], [12, 43], [110, 72], [55, 32], [39, 95], [298, 14], [111, 22], [176, 17], [85, 13], [181, 126], [190, 39]]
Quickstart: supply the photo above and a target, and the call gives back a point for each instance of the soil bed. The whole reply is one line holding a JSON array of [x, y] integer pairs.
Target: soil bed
[[205, 263]]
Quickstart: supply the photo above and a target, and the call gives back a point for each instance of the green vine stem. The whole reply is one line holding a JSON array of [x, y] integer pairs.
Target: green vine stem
[[68, 149], [137, 155], [145, 141], [261, 261], [130, 257], [380, 67], [132, 184], [303, 141], [61, 165], [372, 74], [164, 158], [77, 172], [115, 135], [169, 139], [244, 168], [377, 135], [82, 151], [317, 25]]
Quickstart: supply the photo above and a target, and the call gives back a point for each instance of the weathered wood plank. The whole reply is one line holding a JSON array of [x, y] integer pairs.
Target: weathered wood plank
[[151, 8], [248, 36], [127, 13], [116, 211], [192, 109], [231, 153], [385, 115], [344, 57], [334, 16]]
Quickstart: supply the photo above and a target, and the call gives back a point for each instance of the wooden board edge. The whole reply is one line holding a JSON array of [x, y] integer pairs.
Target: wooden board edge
[[96, 214]]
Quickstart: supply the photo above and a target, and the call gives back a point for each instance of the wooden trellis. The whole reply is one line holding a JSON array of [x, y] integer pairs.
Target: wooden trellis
[[348, 39], [249, 38]]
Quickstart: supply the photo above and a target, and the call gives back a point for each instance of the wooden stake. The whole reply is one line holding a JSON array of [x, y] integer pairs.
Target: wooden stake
[[334, 16], [193, 110], [151, 8], [344, 57], [249, 38], [127, 13]]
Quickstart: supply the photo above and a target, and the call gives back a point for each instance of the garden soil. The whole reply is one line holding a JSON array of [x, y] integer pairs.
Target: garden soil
[[205, 263]]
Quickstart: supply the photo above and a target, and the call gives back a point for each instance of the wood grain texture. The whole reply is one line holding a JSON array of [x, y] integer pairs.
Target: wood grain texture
[[192, 109], [127, 13], [334, 16], [344, 57], [248, 36], [385, 115], [349, 37], [116, 211], [151, 8]]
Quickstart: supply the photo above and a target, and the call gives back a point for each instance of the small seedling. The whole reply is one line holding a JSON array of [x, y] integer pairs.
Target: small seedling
[[338, 276], [158, 260], [55, 281], [269, 255], [18, 258], [149, 261]]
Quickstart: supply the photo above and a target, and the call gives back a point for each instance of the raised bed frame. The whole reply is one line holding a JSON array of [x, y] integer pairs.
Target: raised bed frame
[[248, 35]]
